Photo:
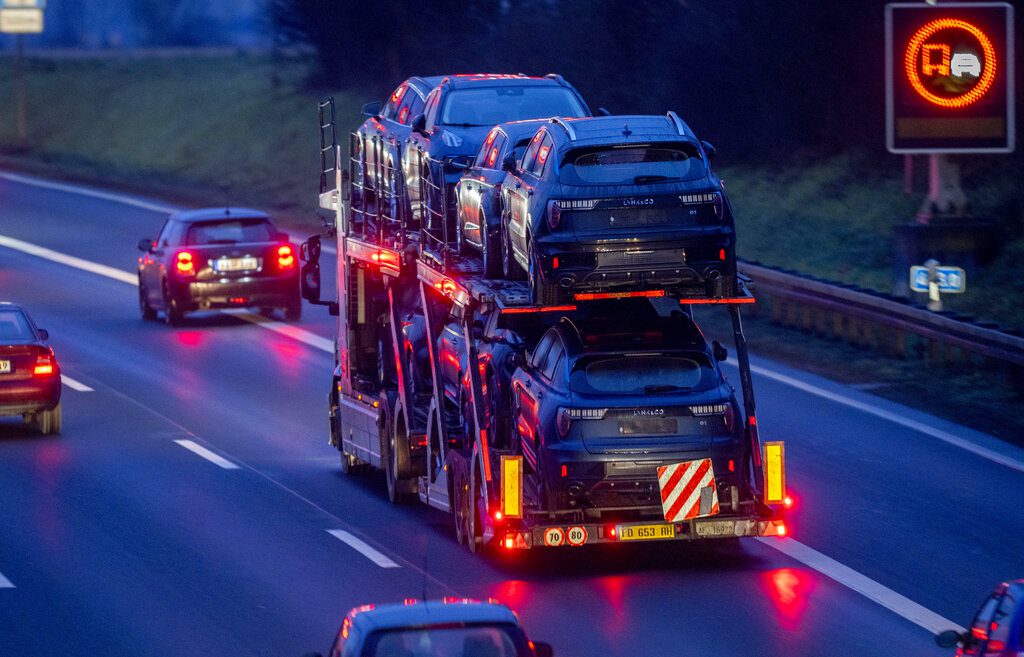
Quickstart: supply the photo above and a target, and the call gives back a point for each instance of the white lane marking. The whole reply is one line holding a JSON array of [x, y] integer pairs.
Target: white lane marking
[[5, 583], [862, 584], [293, 332], [69, 260], [921, 427], [362, 548], [74, 384], [207, 454], [86, 191]]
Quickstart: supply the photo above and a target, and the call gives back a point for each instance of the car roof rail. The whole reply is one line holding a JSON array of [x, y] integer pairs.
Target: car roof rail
[[568, 128], [557, 78], [676, 122]]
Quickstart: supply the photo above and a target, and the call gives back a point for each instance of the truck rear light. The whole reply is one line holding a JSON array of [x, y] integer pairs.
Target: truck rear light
[[787, 502], [285, 256], [183, 263], [780, 529], [567, 415], [554, 214]]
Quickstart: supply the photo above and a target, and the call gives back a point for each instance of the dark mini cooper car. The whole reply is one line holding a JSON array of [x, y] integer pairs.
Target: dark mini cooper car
[[601, 403], [478, 192], [29, 373], [617, 201], [460, 112], [218, 258]]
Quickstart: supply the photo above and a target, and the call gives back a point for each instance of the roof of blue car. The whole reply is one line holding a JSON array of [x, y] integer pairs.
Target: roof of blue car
[[212, 214], [462, 80], [426, 82], [634, 128], [432, 612]]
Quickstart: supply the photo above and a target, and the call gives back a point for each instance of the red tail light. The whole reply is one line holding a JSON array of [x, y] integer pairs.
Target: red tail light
[[44, 365], [285, 256], [184, 264]]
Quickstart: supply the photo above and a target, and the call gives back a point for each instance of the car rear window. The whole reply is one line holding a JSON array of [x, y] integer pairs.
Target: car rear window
[[638, 164], [230, 231], [468, 641], [647, 374], [487, 106], [14, 327]]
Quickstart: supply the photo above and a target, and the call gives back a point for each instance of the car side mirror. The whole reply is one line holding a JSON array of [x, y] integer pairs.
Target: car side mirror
[[372, 109], [419, 124], [603, 112], [509, 163], [145, 245], [709, 149], [720, 353], [541, 649], [43, 334], [948, 639]]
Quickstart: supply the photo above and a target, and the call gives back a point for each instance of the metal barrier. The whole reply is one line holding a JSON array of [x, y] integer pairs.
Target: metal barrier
[[870, 319]]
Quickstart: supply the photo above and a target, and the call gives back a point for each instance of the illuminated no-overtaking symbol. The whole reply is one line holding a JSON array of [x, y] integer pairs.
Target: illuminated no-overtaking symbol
[[950, 62]]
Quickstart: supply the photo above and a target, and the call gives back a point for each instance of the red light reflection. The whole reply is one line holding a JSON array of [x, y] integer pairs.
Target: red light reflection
[[190, 338], [789, 589]]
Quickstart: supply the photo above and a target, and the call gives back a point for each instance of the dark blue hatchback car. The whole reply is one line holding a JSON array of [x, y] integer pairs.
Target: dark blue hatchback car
[[600, 404], [617, 202]]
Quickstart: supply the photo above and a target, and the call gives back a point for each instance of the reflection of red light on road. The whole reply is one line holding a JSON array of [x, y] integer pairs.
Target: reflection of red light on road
[[512, 592], [190, 338], [789, 589]]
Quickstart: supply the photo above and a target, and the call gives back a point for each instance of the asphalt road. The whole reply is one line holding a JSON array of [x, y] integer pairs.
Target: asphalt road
[[116, 539]]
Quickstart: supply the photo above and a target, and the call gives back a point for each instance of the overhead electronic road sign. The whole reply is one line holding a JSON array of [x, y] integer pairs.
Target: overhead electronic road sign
[[949, 77], [951, 280], [21, 20]]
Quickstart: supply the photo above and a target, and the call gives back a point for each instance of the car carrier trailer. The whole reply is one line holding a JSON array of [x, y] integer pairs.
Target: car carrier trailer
[[392, 273]]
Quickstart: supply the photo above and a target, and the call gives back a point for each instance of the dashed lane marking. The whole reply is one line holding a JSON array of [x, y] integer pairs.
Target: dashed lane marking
[[5, 583], [217, 459], [363, 548], [78, 386], [869, 588]]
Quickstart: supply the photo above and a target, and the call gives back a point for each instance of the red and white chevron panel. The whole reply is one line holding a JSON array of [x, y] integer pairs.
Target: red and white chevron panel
[[688, 490]]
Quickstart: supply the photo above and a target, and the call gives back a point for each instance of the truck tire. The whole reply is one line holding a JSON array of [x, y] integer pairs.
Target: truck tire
[[397, 455], [475, 533], [461, 508]]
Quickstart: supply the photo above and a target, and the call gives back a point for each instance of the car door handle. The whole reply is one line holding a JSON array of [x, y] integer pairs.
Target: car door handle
[[529, 192], [540, 395], [528, 384], [518, 185]]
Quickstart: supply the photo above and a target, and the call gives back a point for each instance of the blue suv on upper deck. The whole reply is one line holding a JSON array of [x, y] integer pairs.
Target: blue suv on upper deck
[[626, 202]]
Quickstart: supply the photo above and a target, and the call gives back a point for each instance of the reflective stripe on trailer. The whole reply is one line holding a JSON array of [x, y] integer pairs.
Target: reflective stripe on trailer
[[688, 490]]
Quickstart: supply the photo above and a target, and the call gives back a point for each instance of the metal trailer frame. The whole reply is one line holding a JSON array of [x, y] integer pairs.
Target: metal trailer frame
[[460, 468]]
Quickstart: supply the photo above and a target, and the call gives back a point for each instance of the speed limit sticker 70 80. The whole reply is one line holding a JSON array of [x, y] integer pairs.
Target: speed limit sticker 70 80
[[576, 535], [554, 536]]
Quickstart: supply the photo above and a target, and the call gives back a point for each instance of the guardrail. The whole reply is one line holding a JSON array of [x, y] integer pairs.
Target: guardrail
[[871, 319]]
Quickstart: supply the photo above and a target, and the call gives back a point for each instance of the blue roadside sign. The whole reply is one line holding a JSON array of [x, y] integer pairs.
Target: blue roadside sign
[[951, 280], [22, 4]]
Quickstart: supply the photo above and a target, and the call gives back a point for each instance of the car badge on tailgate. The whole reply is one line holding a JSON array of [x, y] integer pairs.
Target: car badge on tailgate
[[656, 412]]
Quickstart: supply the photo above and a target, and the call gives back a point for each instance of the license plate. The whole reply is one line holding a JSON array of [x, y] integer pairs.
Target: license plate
[[716, 528], [648, 426], [234, 264], [5, 366], [645, 532]]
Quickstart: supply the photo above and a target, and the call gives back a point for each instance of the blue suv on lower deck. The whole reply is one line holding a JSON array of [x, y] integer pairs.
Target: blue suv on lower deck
[[617, 202]]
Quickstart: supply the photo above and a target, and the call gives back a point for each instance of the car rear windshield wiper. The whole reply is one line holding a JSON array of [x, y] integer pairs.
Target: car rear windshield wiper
[[666, 387], [643, 180], [223, 242]]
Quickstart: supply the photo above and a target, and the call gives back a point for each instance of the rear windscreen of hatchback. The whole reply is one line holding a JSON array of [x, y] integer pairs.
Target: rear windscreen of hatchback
[[632, 164], [230, 231], [14, 327]]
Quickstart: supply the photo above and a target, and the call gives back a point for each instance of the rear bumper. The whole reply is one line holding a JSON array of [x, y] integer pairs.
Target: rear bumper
[[687, 264], [271, 291], [33, 396]]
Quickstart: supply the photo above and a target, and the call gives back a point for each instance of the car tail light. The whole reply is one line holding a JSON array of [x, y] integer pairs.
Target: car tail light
[[554, 214], [730, 417], [44, 365], [567, 415], [184, 264], [285, 256]]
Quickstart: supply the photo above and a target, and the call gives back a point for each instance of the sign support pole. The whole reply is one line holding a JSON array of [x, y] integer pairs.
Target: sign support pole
[[20, 94], [946, 197]]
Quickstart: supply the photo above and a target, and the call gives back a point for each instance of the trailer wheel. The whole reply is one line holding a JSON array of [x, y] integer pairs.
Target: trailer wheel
[[461, 509], [397, 487], [475, 534]]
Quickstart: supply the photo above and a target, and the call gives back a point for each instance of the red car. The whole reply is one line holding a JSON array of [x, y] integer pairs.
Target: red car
[[29, 372], [218, 258]]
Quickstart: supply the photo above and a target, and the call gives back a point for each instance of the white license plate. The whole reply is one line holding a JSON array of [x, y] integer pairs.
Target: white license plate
[[235, 264], [716, 528], [5, 366]]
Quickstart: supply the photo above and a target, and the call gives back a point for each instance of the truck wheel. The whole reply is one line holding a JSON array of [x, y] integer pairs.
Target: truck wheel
[[475, 533], [146, 310], [173, 314], [397, 486], [461, 509]]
